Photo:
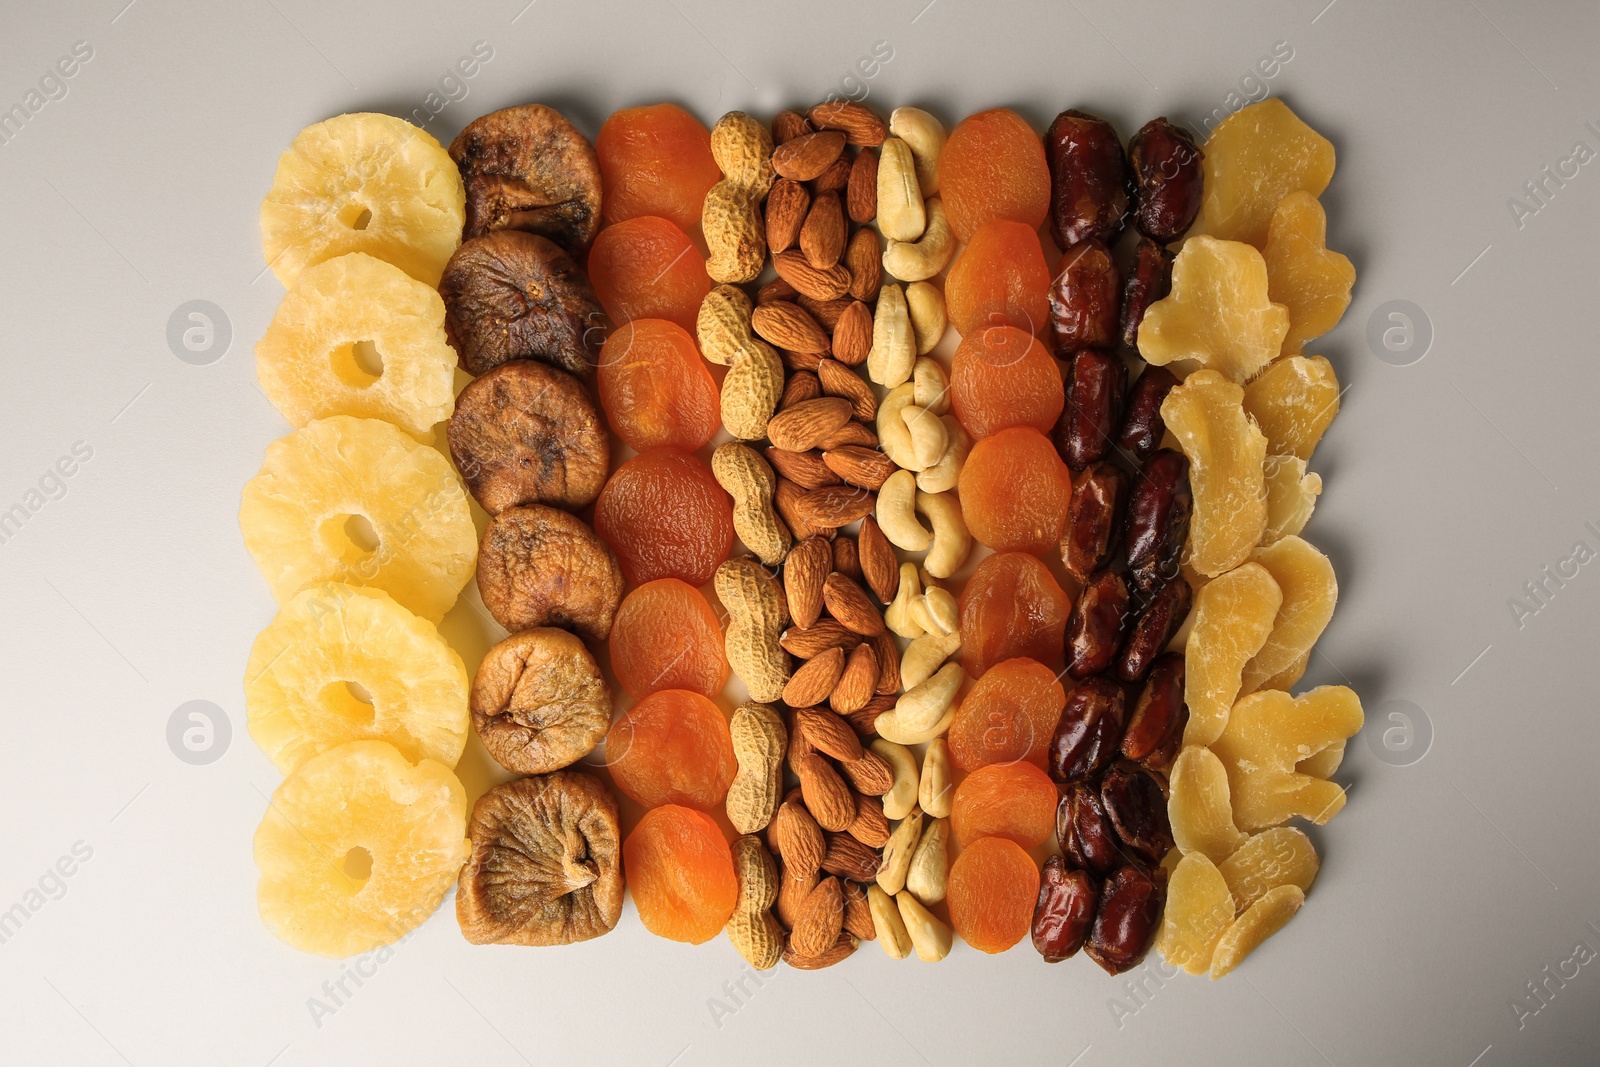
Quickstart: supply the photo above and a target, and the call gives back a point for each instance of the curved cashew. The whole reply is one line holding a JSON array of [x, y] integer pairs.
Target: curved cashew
[[894, 346], [888, 726], [929, 438], [936, 788], [902, 796], [897, 853], [896, 515], [932, 385], [920, 616], [943, 609], [921, 707], [951, 541], [925, 135], [930, 863], [901, 215], [914, 261], [926, 305], [943, 475], [894, 437], [926, 655], [887, 924], [898, 615]]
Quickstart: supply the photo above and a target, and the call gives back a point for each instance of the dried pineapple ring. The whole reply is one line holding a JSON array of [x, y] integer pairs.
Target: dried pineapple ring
[[310, 359], [296, 685], [299, 515], [411, 821], [1253, 159], [1218, 313], [1293, 401], [363, 183], [1268, 733], [1302, 275]]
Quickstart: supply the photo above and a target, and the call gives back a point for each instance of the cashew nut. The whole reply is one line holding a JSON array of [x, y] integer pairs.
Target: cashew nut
[[943, 475], [925, 135], [922, 706], [951, 541], [931, 938], [929, 438], [901, 215], [931, 384], [914, 261], [894, 437], [897, 499], [920, 616], [925, 655], [894, 346], [936, 790], [892, 730], [897, 852], [926, 306], [899, 800], [943, 609], [930, 863], [887, 924], [898, 616]]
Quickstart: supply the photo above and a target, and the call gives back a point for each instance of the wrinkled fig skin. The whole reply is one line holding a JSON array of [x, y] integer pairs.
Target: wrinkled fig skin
[[1149, 280], [1084, 831], [539, 702], [527, 168], [1095, 627], [1142, 425], [1155, 729], [1066, 909], [1089, 179], [1096, 381], [1157, 621], [513, 295], [538, 566], [1124, 928], [1089, 731], [526, 433], [545, 867], [1166, 171], [1158, 519], [1085, 299], [1134, 802], [1094, 520]]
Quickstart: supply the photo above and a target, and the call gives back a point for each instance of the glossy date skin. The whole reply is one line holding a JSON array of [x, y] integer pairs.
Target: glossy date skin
[[1085, 299], [1065, 911], [1089, 731], [1136, 806], [1142, 424], [1096, 382], [1095, 627], [1158, 519], [1153, 628], [1166, 170], [1090, 182], [1094, 520], [1128, 919], [1155, 729], [1084, 830]]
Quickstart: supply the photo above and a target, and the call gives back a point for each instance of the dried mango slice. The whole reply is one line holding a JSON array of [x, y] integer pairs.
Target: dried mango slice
[[1219, 313], [1199, 910], [1206, 416], [1253, 159], [1302, 275], [1291, 496], [1268, 733], [1233, 616], [1280, 856], [1260, 921], [1293, 401], [1200, 807], [1309, 588]]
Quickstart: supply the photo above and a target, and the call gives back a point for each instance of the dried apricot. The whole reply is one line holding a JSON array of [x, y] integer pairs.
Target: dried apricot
[[1015, 490], [1016, 801], [655, 388], [655, 160], [1253, 159], [1012, 606], [992, 888], [1003, 376], [673, 747], [666, 517], [993, 167], [999, 279], [680, 871], [667, 637], [1009, 714], [647, 268], [1312, 282]]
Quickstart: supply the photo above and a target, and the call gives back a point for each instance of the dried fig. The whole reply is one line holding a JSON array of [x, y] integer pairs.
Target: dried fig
[[545, 865], [529, 434], [539, 702], [539, 567], [527, 168], [515, 295]]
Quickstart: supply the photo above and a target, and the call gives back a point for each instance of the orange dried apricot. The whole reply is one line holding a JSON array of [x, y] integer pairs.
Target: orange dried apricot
[[667, 637], [1009, 714], [655, 160], [1015, 490], [999, 279], [993, 167], [1001, 377], [992, 889], [1011, 606], [655, 388], [647, 268], [665, 516], [673, 747], [1016, 801], [680, 871]]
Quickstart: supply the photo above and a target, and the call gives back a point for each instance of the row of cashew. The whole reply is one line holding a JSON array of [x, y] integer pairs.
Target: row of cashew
[[916, 859]]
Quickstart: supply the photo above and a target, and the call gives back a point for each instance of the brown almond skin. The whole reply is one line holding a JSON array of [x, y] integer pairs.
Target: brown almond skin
[[1085, 299], [1149, 280], [1096, 382], [833, 506], [879, 564], [788, 124], [865, 260], [787, 204], [807, 156], [859, 123], [809, 641], [1094, 520], [833, 180], [1096, 625], [801, 386], [804, 571], [822, 237], [1158, 519], [849, 604], [861, 194], [1089, 731], [837, 379], [805, 469], [1142, 424], [1065, 911], [1090, 184], [1166, 171], [1152, 629], [1129, 918]]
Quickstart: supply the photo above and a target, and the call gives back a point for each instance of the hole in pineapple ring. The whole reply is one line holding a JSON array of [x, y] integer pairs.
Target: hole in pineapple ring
[[350, 702], [358, 528], [358, 363], [356, 216], [357, 865]]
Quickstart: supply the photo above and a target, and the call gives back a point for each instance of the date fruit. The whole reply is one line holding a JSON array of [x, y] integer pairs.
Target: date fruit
[[1094, 520], [1167, 174], [1137, 808], [1085, 299], [1142, 428], [1153, 629], [1158, 519], [1156, 726], [1084, 831], [1129, 918], [1094, 629], [1096, 382], [1089, 732], [1065, 910], [1090, 184]]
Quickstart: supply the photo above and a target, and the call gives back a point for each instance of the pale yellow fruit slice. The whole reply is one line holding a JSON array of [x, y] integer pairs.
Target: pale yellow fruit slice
[[1282, 855], [1268, 734], [1305, 578], [1293, 401], [1260, 921], [1302, 274], [363, 183], [1199, 908], [1291, 496], [358, 847], [341, 663], [1234, 614], [358, 336], [1253, 159], [1199, 808], [1226, 450], [1219, 313]]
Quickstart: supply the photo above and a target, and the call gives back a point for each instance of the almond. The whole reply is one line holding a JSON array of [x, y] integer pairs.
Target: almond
[[834, 506], [805, 469], [787, 205], [836, 179], [804, 643], [794, 361], [836, 379], [858, 913], [795, 836], [799, 747], [787, 125], [800, 387], [865, 262], [822, 236], [856, 684], [805, 157], [787, 325], [860, 466], [849, 858], [865, 721], [844, 557], [814, 679], [871, 774], [792, 893], [841, 950], [827, 797], [804, 571], [861, 195], [888, 653], [793, 267], [820, 919], [852, 337], [828, 733], [849, 604], [776, 289], [802, 426], [879, 565], [871, 827], [858, 123], [826, 312], [786, 498], [851, 433]]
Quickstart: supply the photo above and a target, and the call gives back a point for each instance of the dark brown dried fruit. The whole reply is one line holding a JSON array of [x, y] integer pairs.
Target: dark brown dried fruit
[[545, 865], [1096, 381], [526, 433], [1159, 715], [1129, 918], [1084, 832], [1089, 179], [539, 702], [1158, 519], [1166, 171], [1160, 618], [1065, 911], [514, 295], [1094, 629], [1149, 280], [1137, 807], [538, 566], [527, 168], [1094, 520], [1085, 299], [1142, 425], [1089, 731]]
